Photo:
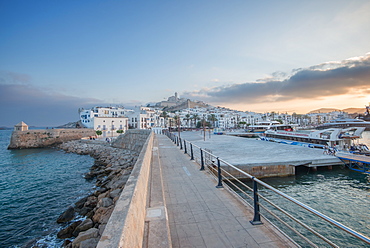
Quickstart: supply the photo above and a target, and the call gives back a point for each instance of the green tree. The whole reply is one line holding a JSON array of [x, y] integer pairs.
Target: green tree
[[195, 118], [98, 132], [120, 131], [178, 124], [212, 119], [187, 118], [165, 117]]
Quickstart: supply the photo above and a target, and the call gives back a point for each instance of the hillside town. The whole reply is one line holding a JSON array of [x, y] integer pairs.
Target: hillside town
[[187, 114]]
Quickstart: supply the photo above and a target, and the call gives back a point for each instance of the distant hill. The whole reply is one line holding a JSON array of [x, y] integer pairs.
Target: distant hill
[[348, 110], [323, 110], [354, 110]]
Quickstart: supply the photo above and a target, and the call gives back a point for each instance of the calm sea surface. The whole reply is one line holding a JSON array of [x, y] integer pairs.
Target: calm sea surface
[[36, 186], [341, 194]]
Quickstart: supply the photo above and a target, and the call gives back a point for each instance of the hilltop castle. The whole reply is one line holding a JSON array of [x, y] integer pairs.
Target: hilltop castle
[[175, 103]]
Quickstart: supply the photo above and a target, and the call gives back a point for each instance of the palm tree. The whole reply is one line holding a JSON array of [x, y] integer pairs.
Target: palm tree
[[165, 116], [187, 118], [195, 118], [212, 118], [177, 121]]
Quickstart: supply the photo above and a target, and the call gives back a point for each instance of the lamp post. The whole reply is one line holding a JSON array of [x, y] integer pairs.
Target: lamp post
[[112, 128]]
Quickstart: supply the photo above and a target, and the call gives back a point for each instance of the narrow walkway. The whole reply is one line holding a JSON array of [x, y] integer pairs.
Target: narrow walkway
[[201, 215]]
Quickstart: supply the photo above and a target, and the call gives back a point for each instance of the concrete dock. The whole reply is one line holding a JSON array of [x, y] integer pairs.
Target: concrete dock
[[251, 153], [199, 214]]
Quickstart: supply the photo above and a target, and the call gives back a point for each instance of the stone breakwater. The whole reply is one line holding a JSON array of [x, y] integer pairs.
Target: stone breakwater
[[111, 171]]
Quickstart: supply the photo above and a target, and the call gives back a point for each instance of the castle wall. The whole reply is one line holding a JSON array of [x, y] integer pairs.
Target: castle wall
[[39, 138]]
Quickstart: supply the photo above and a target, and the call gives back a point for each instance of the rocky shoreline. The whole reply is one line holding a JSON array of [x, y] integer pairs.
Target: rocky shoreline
[[85, 221]]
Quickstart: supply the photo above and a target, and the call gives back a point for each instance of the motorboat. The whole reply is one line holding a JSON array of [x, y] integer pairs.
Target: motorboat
[[218, 131]]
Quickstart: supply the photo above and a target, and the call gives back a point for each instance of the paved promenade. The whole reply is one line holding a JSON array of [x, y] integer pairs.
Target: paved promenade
[[201, 215]]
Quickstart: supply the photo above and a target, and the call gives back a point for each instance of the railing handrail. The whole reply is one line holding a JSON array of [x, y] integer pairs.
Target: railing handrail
[[300, 204]]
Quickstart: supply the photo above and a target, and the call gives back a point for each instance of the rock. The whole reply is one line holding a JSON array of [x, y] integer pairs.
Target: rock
[[105, 202], [67, 243], [83, 211], [118, 183], [85, 225], [103, 195], [68, 215], [101, 229], [91, 202], [115, 193], [102, 215], [89, 234], [89, 243], [68, 231], [80, 203]]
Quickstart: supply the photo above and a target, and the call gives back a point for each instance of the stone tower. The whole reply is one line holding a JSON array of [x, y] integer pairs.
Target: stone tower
[[21, 126]]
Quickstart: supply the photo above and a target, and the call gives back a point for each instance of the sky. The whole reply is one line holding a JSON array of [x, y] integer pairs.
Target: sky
[[262, 56]]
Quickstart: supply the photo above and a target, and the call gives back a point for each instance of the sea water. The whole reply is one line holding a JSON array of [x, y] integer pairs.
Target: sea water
[[36, 186], [340, 193]]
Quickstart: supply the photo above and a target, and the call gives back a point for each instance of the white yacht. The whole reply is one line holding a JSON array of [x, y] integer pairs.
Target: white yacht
[[345, 123], [341, 138], [262, 126]]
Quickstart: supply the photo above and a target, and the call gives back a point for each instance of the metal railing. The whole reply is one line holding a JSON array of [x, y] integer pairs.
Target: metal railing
[[208, 160]]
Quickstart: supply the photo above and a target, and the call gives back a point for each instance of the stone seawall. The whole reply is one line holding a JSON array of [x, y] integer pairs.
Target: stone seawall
[[38, 138], [132, 140]]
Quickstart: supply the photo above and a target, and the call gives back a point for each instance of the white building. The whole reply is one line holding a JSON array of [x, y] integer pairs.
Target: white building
[[106, 119]]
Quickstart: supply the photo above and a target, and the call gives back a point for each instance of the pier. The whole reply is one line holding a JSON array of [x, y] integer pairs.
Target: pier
[[262, 158], [360, 163]]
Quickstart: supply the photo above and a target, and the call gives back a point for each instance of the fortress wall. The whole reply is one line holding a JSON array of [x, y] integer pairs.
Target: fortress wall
[[39, 138]]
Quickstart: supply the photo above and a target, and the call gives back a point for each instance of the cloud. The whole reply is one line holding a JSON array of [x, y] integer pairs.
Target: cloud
[[327, 79], [21, 101]]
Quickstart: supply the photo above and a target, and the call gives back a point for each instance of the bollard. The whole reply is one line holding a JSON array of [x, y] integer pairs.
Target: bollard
[[201, 160], [180, 141], [219, 185], [191, 152], [257, 216], [185, 146]]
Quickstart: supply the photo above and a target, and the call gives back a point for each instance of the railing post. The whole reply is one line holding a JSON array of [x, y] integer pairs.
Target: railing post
[[219, 185], [201, 160], [257, 216], [191, 152], [186, 151], [180, 142]]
